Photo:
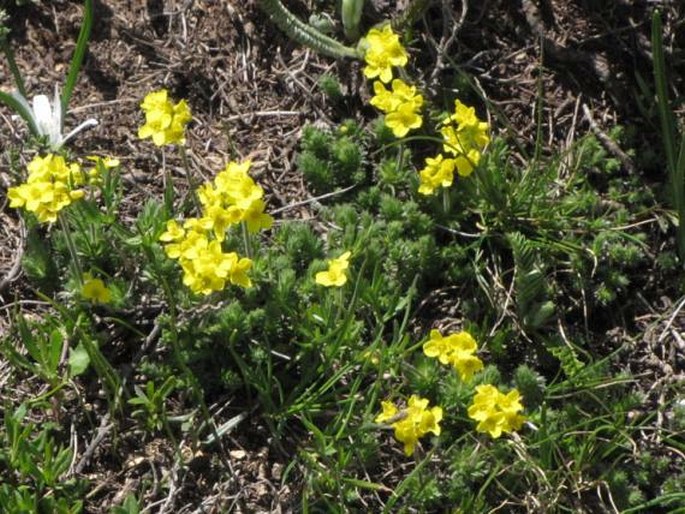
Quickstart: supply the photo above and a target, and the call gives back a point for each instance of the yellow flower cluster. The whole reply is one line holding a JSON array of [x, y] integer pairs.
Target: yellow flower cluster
[[336, 274], [233, 197], [383, 51], [456, 350], [464, 136], [496, 412], [51, 185], [401, 104], [412, 423], [164, 121]]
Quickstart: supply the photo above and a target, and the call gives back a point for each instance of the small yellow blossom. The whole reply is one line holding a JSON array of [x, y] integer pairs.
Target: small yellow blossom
[[49, 188], [457, 350], [496, 412], [94, 289], [412, 423], [231, 198], [336, 274], [383, 51], [465, 137], [439, 172], [383, 99], [164, 121], [401, 106], [404, 119]]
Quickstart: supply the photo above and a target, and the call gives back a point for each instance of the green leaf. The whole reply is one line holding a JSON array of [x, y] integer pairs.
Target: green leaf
[[54, 351], [79, 360]]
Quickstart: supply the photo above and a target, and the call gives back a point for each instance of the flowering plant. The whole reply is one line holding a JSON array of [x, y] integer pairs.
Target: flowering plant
[[412, 423], [233, 197], [52, 184], [165, 121], [496, 412], [335, 276], [456, 350]]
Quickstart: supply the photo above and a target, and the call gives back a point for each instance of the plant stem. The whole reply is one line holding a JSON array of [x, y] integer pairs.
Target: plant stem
[[303, 33], [246, 239], [72, 248], [192, 186]]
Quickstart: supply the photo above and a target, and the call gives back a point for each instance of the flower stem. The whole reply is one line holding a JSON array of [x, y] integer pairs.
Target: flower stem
[[192, 185], [246, 239], [168, 187], [72, 249]]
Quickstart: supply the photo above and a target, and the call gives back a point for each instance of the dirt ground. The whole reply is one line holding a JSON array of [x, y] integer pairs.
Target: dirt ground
[[251, 91]]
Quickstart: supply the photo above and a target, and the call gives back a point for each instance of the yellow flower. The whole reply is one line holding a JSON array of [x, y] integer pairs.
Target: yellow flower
[[164, 121], [383, 99], [48, 188], [255, 218], [335, 275], [232, 197], [496, 412], [412, 423], [439, 172], [389, 412], [94, 289], [468, 138], [173, 232], [457, 350], [238, 271], [401, 106], [383, 51]]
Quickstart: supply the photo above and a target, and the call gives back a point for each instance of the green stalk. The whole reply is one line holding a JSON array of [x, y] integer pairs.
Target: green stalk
[[79, 54], [72, 249], [675, 156], [351, 13], [668, 130], [303, 33], [175, 346], [678, 180], [168, 187], [14, 104], [192, 185], [246, 240]]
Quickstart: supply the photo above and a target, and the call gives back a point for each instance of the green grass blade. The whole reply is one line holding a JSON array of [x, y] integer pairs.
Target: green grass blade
[[678, 183], [675, 158], [79, 54], [14, 104], [668, 131]]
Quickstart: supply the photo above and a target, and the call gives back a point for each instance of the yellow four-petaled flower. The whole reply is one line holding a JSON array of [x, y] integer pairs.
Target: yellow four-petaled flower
[[412, 423], [336, 275], [496, 412], [165, 121]]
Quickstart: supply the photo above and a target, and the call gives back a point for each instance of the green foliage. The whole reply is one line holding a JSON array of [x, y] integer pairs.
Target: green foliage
[[34, 465], [331, 159], [150, 403], [330, 85]]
